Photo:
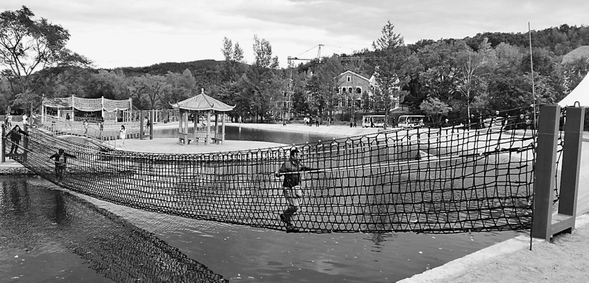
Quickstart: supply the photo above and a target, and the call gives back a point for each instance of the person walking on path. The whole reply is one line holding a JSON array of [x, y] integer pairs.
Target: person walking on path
[[60, 159], [85, 127], [15, 136], [101, 127], [123, 134], [291, 187]]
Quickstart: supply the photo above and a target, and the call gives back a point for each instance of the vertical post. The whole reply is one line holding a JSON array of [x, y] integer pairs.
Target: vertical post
[[223, 127], [571, 161], [217, 139], [208, 127], [130, 108], [102, 107], [151, 122], [141, 121], [73, 110], [3, 140], [545, 171], [43, 109], [25, 143]]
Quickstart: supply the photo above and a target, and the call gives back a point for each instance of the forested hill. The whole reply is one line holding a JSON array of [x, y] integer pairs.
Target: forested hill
[[560, 40], [164, 68]]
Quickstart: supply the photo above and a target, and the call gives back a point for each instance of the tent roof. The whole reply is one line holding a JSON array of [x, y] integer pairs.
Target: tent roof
[[202, 102], [580, 94]]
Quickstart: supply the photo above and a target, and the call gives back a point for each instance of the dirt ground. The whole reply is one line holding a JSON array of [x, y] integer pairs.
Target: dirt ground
[[564, 259]]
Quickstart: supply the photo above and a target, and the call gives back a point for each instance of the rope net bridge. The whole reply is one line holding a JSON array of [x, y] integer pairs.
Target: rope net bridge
[[432, 180]]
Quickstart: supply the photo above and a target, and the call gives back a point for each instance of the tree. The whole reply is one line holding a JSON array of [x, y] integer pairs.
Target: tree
[[435, 108], [472, 67], [149, 91], [393, 56], [260, 82], [28, 45], [389, 39]]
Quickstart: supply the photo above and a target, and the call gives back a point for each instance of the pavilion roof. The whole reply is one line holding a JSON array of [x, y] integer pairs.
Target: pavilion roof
[[202, 102]]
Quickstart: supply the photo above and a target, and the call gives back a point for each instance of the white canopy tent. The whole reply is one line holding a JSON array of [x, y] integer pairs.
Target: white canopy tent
[[580, 94]]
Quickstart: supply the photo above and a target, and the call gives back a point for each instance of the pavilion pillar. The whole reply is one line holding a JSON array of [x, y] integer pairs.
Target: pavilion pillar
[[130, 109], [208, 127], [195, 127], [217, 139], [223, 127]]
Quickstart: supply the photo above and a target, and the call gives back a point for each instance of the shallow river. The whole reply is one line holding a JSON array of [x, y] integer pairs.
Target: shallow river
[[48, 235]]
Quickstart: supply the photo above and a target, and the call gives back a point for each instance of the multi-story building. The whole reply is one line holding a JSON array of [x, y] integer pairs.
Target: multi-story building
[[351, 87]]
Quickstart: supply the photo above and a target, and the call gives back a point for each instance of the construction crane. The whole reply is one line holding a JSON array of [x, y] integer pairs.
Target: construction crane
[[290, 59]]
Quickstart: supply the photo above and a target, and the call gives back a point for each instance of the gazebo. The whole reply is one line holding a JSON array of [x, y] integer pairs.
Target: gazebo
[[196, 105]]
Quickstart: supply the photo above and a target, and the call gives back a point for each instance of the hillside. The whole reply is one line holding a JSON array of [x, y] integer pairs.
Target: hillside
[[174, 67]]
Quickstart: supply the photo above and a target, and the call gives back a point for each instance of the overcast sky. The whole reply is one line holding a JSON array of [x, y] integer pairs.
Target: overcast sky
[[121, 33]]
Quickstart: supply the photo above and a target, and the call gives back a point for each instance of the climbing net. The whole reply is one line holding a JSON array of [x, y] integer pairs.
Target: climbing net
[[430, 180]]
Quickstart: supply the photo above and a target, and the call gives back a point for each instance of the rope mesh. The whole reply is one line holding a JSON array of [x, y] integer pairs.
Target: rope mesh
[[434, 180]]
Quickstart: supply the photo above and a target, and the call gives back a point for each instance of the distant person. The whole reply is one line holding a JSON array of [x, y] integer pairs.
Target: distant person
[[123, 134], [25, 120], [60, 159], [15, 136], [8, 121], [67, 117], [85, 124], [101, 127], [291, 186]]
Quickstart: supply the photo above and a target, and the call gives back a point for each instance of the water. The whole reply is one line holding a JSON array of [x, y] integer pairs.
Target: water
[[239, 133], [61, 237]]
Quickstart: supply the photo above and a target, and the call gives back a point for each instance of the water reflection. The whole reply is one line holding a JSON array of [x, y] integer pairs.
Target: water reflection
[[37, 219], [248, 134]]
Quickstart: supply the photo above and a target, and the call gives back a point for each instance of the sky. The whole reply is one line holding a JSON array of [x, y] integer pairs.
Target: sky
[[133, 33]]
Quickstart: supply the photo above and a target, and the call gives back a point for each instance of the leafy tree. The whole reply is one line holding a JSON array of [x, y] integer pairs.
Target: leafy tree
[[260, 82], [435, 108], [393, 56], [473, 66], [325, 75], [28, 45], [180, 87], [389, 39], [107, 84], [149, 91], [441, 71]]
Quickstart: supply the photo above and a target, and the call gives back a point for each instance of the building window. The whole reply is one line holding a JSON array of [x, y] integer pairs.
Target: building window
[[349, 79], [358, 90], [350, 89]]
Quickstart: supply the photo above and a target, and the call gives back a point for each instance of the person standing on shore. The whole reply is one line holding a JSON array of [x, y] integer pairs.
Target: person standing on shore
[[85, 124], [123, 134], [291, 186], [15, 137]]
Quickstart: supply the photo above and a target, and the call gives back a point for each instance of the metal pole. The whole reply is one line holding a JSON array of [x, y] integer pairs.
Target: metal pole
[[532, 73]]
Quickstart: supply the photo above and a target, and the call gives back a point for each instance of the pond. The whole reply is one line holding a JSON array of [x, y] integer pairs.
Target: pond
[[48, 234]]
